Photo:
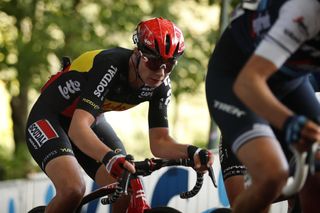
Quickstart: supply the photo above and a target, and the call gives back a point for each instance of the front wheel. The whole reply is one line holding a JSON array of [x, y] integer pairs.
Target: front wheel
[[162, 210], [221, 210], [38, 209]]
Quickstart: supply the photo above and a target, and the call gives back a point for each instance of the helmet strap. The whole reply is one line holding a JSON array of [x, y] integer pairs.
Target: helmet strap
[[136, 68]]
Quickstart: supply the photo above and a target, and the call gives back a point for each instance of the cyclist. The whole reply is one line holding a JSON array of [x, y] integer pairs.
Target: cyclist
[[66, 127], [258, 80]]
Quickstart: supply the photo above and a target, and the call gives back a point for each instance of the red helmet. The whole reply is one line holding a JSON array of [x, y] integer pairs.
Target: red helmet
[[159, 37]]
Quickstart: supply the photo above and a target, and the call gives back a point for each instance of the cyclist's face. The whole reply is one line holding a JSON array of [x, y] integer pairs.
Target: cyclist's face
[[155, 70]]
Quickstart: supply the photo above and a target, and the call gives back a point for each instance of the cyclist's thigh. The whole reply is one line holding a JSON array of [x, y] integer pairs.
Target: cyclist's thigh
[[50, 147], [45, 137], [65, 173], [107, 135], [237, 123]]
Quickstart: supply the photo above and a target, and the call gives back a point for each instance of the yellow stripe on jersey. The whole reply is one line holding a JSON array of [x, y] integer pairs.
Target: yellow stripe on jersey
[[85, 61], [115, 106]]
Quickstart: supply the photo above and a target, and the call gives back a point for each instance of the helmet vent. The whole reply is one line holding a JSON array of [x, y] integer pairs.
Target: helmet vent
[[157, 47], [168, 42]]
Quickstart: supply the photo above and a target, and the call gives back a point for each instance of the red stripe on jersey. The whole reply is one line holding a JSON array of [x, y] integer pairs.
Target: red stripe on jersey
[[68, 112]]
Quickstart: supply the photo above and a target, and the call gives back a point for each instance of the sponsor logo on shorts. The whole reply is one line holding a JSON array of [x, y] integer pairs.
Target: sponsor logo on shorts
[[48, 157], [41, 132], [230, 109], [67, 150]]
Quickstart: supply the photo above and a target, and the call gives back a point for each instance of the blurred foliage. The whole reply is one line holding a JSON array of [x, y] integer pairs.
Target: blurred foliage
[[35, 34]]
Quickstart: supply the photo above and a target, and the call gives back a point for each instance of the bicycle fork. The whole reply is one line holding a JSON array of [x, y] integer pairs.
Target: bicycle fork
[[138, 202]]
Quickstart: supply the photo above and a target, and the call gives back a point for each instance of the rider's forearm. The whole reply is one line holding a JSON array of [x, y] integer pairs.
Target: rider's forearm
[[84, 138], [252, 89], [164, 146], [89, 143]]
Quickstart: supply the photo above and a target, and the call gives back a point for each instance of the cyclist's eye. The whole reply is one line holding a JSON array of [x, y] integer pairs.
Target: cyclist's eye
[[156, 64]]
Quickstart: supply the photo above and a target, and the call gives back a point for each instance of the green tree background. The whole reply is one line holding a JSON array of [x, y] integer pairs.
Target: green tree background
[[35, 34]]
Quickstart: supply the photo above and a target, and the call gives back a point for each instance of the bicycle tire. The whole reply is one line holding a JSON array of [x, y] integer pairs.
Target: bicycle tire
[[221, 210], [162, 209], [38, 209]]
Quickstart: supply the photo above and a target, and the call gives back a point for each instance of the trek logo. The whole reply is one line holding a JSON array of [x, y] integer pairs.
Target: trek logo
[[41, 132], [228, 108], [70, 87], [105, 81]]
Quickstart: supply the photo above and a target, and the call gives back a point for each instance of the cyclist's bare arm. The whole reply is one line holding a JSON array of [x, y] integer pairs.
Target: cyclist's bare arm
[[164, 146], [83, 136], [86, 140], [251, 87]]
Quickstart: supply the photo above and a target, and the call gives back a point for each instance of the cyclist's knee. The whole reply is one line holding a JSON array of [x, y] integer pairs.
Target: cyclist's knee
[[72, 192], [273, 182]]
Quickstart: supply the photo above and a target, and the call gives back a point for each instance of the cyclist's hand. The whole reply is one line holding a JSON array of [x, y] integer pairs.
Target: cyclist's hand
[[301, 132], [309, 134], [116, 163], [202, 158]]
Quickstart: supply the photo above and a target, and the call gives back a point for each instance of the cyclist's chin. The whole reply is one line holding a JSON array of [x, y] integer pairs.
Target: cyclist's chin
[[153, 83]]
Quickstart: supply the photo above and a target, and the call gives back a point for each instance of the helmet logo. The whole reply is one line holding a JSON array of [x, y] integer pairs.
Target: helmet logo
[[147, 42]]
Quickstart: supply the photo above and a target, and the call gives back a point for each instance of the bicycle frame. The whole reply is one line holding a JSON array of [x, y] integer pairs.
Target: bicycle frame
[[138, 201]]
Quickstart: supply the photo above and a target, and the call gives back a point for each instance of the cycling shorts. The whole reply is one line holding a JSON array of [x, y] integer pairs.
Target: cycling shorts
[[47, 138]]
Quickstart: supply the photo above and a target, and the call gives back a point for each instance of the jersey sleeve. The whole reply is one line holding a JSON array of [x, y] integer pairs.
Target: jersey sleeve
[[298, 21], [157, 114], [100, 77]]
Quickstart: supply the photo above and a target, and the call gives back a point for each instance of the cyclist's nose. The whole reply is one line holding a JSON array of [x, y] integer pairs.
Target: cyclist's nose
[[161, 71]]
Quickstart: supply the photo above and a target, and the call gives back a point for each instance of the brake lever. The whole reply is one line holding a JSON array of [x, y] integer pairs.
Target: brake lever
[[124, 182], [212, 177], [211, 172]]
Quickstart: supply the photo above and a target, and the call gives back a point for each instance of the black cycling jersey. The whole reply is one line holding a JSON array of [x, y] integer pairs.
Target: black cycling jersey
[[286, 32], [96, 82]]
